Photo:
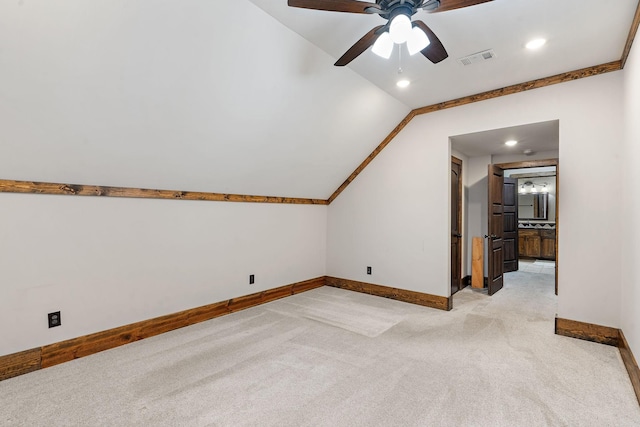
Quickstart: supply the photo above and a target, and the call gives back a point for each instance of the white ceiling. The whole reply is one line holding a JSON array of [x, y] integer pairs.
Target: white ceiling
[[580, 33], [544, 136]]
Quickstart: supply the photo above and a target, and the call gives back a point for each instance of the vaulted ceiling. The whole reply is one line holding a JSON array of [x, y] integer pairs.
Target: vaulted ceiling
[[579, 33], [242, 97]]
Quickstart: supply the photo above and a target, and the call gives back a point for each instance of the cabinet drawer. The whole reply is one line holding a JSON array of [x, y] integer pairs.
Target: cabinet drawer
[[548, 234]]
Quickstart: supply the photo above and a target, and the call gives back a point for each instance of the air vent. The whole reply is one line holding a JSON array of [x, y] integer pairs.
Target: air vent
[[485, 55]]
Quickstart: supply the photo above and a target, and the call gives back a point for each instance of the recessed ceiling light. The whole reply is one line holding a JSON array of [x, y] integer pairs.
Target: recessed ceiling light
[[403, 83], [511, 143], [535, 44]]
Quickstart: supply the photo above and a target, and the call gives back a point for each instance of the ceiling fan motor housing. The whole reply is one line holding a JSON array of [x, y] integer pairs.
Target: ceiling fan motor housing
[[392, 8]]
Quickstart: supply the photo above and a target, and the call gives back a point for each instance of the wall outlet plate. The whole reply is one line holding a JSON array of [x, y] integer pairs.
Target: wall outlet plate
[[368, 270], [252, 279], [54, 319]]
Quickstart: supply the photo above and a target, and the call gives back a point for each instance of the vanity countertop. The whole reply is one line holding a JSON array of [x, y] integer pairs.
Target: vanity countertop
[[537, 226]]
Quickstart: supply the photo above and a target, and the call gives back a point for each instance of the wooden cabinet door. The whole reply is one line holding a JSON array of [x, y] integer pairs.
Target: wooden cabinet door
[[533, 246], [522, 245], [548, 247]]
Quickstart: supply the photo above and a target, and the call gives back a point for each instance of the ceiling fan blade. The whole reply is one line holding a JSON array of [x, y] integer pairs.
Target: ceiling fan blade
[[457, 4], [360, 46], [435, 52], [352, 6]]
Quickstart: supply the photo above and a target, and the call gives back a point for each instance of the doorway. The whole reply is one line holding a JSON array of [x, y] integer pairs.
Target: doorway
[[537, 144], [537, 190], [456, 224]]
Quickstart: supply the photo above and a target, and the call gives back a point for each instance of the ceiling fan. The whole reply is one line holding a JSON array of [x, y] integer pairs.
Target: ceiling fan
[[398, 29]]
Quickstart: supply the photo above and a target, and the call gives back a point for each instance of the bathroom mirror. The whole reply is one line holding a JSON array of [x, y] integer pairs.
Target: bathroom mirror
[[533, 206]]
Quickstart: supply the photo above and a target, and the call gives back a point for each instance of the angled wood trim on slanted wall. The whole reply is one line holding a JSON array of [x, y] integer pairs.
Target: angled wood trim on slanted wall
[[509, 90], [523, 87], [8, 186], [373, 155], [631, 36]]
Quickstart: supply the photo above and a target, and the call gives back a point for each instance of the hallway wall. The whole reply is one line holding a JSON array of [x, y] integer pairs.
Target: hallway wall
[[630, 188]]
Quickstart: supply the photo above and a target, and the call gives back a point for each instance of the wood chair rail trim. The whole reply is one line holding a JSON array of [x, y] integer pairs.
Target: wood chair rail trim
[[30, 187]]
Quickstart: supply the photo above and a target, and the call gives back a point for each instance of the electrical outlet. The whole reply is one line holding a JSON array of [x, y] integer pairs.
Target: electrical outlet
[[54, 319], [368, 270], [252, 279]]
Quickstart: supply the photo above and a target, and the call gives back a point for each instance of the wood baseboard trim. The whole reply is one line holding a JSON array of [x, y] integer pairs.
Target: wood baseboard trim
[[50, 355], [20, 363], [413, 297], [466, 281], [630, 363], [587, 331]]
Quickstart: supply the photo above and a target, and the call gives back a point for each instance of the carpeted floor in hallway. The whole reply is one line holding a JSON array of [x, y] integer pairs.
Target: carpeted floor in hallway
[[330, 357]]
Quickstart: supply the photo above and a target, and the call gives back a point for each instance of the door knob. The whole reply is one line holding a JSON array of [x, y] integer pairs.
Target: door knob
[[456, 235], [493, 236]]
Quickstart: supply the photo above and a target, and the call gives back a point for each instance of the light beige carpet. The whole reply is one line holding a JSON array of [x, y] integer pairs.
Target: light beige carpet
[[331, 357]]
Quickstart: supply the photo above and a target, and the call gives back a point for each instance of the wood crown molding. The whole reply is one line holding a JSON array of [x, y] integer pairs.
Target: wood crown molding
[[8, 186], [509, 90], [413, 297], [632, 34], [587, 331], [50, 355], [523, 87]]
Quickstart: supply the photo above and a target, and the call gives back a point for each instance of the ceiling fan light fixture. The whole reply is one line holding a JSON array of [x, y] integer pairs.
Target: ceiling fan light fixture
[[417, 41], [400, 28], [383, 46]]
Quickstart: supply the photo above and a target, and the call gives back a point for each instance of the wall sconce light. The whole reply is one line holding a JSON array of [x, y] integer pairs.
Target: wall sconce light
[[530, 187]]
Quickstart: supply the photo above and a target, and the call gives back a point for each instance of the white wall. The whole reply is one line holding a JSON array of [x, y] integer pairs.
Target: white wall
[[395, 215], [106, 262], [631, 207], [476, 214]]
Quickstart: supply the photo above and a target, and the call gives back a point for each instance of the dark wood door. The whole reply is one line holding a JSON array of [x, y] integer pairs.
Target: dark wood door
[[510, 237], [456, 224], [496, 223]]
